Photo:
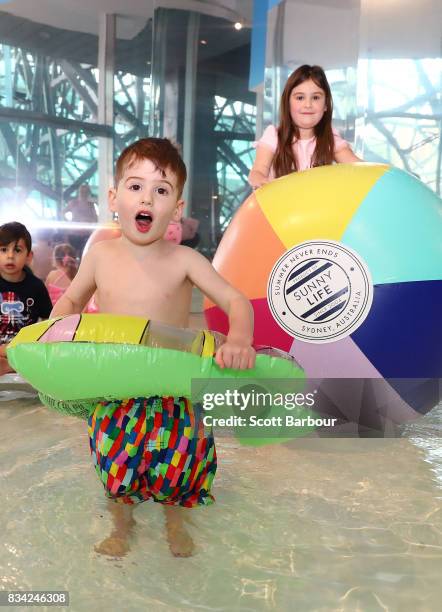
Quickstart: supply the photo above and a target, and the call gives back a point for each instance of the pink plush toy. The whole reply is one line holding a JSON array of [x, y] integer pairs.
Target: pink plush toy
[[174, 232]]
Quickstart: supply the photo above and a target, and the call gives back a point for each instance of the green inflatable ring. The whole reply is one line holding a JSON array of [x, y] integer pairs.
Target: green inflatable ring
[[78, 360]]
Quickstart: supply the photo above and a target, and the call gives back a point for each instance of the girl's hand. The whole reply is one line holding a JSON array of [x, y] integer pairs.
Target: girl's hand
[[260, 184], [260, 172], [256, 180], [346, 156], [235, 356]]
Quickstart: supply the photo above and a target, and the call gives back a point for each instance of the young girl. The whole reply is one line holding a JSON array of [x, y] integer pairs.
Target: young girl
[[65, 265], [305, 137]]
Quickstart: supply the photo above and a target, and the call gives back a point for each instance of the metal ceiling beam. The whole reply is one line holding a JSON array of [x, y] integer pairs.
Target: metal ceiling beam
[[25, 116], [72, 75]]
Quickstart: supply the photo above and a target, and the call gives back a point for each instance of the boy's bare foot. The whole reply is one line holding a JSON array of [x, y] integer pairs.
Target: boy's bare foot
[[117, 544], [113, 546], [180, 542]]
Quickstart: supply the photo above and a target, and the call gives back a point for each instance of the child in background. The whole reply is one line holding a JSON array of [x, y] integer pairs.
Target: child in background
[[305, 137], [65, 264], [42, 249], [23, 297], [142, 274]]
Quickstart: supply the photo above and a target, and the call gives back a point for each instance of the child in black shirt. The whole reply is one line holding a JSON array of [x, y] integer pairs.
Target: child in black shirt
[[23, 297]]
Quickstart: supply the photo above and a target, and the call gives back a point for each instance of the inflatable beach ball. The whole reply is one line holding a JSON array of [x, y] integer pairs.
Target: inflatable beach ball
[[343, 267]]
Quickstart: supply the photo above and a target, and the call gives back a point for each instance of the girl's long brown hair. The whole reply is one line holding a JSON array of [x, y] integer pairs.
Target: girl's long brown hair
[[285, 161], [65, 256]]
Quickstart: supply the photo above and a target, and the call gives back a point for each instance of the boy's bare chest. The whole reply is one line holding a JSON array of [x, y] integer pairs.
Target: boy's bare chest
[[140, 275], [142, 288]]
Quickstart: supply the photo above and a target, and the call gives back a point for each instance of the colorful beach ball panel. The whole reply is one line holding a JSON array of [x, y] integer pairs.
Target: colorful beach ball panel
[[387, 216]]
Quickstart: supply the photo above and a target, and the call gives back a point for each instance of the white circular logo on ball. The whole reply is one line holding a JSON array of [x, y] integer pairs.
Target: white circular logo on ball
[[320, 291]]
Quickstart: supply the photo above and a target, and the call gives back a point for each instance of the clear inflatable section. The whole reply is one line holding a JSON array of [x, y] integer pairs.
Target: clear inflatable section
[[198, 342], [274, 352]]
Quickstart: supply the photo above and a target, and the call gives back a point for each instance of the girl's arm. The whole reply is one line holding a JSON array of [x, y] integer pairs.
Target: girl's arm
[[259, 174], [49, 277], [82, 287], [346, 156]]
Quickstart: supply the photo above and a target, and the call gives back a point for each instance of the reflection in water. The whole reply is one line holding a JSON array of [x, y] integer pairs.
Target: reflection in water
[[323, 524]]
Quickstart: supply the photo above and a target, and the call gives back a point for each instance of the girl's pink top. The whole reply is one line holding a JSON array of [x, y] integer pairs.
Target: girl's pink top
[[303, 149], [55, 293], [54, 290]]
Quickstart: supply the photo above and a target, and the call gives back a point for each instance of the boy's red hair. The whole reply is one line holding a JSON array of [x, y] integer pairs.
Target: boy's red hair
[[159, 151]]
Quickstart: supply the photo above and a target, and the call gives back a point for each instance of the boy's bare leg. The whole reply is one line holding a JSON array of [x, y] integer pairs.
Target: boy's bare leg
[[180, 542], [117, 544]]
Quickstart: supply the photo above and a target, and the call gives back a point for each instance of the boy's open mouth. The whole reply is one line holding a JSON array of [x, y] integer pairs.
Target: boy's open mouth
[[143, 221]]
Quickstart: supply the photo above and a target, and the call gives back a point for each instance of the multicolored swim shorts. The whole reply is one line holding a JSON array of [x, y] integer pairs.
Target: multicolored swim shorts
[[153, 448]]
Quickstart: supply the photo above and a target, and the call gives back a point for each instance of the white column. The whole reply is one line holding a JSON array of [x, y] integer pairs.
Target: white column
[[106, 68], [189, 101], [8, 75]]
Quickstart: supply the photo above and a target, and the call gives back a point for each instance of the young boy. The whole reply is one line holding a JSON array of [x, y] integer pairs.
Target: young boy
[[142, 274], [23, 297]]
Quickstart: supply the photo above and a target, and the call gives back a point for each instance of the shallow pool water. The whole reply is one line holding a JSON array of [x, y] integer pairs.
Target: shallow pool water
[[318, 524]]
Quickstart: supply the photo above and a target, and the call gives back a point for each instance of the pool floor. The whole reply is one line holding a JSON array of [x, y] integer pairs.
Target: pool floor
[[317, 524]]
